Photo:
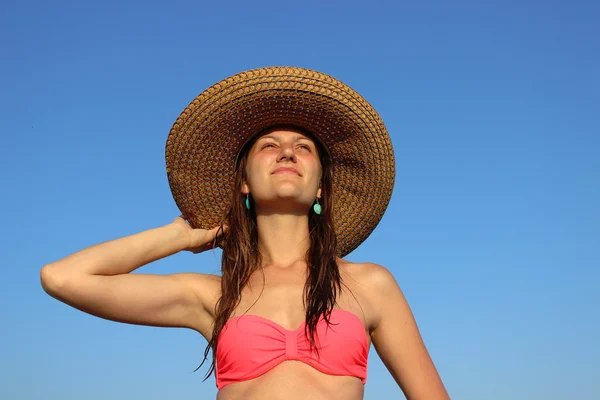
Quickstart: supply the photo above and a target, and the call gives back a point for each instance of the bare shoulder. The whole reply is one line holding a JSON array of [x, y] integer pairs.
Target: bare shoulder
[[373, 277], [370, 284]]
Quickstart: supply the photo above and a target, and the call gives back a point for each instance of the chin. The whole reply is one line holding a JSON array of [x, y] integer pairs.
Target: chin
[[297, 196], [288, 196]]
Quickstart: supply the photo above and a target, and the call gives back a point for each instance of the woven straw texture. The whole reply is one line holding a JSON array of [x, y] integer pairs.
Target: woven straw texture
[[204, 142]]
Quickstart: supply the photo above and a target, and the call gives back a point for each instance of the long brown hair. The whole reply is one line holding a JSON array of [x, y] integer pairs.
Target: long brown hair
[[241, 257]]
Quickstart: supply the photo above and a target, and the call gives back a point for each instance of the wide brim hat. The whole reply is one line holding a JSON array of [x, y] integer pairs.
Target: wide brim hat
[[205, 140]]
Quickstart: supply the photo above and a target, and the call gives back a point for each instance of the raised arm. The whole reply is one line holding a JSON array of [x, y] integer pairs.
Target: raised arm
[[97, 280], [398, 341]]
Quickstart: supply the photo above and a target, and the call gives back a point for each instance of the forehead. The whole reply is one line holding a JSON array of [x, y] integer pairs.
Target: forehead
[[285, 133]]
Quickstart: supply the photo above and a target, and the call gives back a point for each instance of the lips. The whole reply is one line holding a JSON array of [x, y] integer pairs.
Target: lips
[[286, 170]]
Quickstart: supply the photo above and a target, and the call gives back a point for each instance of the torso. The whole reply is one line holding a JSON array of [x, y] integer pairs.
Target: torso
[[293, 380], [279, 299]]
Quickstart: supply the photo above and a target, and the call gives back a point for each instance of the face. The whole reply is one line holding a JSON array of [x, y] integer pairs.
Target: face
[[283, 164]]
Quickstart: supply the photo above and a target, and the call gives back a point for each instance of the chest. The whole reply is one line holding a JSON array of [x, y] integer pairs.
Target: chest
[[275, 296], [279, 297]]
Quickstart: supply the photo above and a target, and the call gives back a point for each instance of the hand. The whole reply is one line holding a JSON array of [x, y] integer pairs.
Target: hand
[[198, 240]]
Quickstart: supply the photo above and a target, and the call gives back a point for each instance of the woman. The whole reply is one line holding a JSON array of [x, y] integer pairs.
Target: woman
[[288, 170]]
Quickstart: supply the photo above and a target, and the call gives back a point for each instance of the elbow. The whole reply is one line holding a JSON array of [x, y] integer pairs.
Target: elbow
[[52, 280]]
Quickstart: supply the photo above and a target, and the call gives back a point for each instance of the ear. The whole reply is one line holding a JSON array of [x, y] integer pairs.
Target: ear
[[245, 188], [319, 193]]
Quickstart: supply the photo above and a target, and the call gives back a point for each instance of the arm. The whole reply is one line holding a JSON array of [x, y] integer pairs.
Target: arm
[[398, 342], [97, 280]]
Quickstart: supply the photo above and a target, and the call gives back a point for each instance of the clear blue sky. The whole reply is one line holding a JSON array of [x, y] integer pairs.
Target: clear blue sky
[[493, 231]]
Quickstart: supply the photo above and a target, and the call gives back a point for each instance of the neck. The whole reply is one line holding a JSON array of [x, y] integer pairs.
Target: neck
[[283, 239]]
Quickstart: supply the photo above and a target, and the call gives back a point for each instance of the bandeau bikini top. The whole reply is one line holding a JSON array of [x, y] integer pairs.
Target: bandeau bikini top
[[250, 346]]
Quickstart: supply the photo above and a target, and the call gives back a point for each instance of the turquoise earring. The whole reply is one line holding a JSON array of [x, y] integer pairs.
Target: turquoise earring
[[317, 207], [247, 201]]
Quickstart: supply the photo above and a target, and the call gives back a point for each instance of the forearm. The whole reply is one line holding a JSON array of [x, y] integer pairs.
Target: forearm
[[121, 256]]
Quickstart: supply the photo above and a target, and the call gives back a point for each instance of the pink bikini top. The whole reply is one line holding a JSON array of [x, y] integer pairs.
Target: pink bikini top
[[250, 346]]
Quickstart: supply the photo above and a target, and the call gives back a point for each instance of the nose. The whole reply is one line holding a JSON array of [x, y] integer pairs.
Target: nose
[[287, 153]]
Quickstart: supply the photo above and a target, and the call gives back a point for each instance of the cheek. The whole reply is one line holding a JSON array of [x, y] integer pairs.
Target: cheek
[[317, 176], [255, 169]]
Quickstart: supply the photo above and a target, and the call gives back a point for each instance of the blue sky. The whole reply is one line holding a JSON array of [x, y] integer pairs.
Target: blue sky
[[493, 231]]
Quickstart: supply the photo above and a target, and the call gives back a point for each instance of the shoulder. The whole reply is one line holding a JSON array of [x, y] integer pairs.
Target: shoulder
[[371, 276], [372, 284]]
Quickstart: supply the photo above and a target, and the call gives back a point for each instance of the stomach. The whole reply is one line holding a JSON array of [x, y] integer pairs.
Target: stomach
[[294, 380]]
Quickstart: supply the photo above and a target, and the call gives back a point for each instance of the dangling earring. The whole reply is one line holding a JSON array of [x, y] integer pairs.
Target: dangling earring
[[247, 202], [317, 207]]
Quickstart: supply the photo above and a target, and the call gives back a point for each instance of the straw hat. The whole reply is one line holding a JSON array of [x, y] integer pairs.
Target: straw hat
[[204, 142]]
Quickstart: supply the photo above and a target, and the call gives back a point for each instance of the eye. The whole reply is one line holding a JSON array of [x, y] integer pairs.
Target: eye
[[266, 145], [304, 146]]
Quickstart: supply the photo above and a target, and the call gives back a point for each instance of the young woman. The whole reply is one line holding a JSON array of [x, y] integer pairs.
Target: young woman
[[288, 170]]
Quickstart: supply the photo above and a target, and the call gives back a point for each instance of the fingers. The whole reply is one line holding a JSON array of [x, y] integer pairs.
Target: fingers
[[213, 235], [224, 228], [215, 232]]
